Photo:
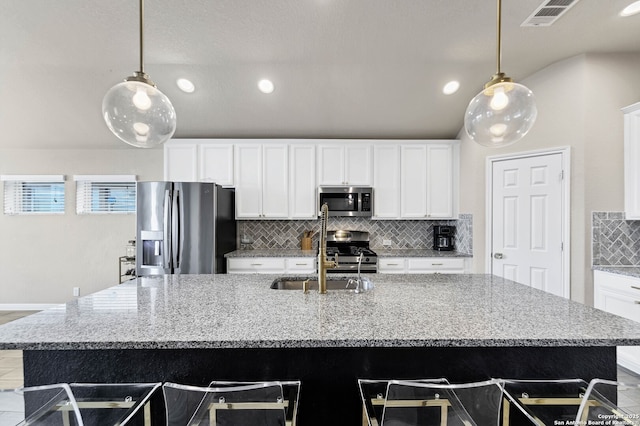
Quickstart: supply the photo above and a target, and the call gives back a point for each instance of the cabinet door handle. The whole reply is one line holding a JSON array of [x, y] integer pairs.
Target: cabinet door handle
[[636, 287]]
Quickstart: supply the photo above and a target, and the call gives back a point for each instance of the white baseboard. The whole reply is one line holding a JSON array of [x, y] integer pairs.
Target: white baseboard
[[26, 306], [629, 358]]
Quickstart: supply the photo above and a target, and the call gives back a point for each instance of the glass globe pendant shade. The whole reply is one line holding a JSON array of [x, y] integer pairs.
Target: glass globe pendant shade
[[138, 113], [501, 114]]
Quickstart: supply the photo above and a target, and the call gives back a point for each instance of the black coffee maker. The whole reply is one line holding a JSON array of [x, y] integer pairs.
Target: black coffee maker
[[443, 237]]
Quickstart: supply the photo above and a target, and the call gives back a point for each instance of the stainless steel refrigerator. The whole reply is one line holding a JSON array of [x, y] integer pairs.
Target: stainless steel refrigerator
[[184, 228]]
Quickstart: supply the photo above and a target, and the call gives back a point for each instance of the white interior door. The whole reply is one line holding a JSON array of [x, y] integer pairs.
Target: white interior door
[[527, 221]]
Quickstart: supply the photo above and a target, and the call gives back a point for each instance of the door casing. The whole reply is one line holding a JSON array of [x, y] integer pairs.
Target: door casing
[[565, 215]]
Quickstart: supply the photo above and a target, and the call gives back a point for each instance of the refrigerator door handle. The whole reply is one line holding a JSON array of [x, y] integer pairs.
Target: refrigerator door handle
[[181, 233], [166, 249], [175, 229]]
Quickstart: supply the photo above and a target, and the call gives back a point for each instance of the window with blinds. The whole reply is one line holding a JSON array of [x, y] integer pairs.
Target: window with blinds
[[33, 194], [105, 194]]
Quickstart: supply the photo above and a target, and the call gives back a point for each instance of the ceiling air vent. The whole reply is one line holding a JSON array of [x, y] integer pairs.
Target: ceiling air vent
[[548, 13]]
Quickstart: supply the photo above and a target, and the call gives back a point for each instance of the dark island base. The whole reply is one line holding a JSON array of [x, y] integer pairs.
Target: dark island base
[[329, 394]]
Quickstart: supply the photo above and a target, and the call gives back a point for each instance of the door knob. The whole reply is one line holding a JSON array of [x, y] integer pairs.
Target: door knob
[[498, 256]]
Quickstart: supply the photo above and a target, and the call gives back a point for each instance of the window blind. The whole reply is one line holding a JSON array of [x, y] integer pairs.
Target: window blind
[[33, 194], [105, 194]]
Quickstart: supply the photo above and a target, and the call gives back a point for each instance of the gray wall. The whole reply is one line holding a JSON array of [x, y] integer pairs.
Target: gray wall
[[43, 257], [579, 102]]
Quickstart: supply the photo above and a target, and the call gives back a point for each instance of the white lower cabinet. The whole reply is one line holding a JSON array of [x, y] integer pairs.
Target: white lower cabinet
[[391, 265], [271, 265], [620, 295], [421, 265], [301, 265]]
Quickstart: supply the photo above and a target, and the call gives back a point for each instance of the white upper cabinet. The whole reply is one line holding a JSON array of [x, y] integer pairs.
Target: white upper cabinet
[[279, 179], [248, 180], [199, 160], [441, 193], [413, 181], [261, 178], [303, 191], [344, 164], [181, 161], [275, 181], [632, 161], [429, 181], [357, 165], [216, 163], [386, 181], [330, 165]]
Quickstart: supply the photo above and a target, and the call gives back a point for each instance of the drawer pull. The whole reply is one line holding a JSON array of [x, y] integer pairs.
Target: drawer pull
[[436, 264], [392, 264], [256, 264], [301, 264], [636, 287], [637, 302]]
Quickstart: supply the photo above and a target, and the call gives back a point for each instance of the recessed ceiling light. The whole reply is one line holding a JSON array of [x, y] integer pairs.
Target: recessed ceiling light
[[451, 87], [185, 85], [266, 86], [632, 9]]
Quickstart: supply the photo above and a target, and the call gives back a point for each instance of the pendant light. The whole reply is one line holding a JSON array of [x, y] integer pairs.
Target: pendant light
[[504, 111], [135, 110]]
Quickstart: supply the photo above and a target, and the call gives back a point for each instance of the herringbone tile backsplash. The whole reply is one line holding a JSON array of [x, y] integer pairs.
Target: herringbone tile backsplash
[[615, 241], [414, 234]]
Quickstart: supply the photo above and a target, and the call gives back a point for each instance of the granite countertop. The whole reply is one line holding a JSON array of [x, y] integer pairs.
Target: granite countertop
[[314, 253], [631, 271], [241, 311], [272, 253], [419, 253]]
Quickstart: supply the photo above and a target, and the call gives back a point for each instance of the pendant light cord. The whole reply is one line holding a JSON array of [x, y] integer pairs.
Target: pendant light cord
[[141, 37], [499, 36]]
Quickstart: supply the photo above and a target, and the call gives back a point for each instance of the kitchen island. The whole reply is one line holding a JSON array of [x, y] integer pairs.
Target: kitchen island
[[198, 328]]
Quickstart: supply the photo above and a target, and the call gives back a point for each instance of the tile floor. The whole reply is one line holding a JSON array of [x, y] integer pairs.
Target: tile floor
[[11, 374]]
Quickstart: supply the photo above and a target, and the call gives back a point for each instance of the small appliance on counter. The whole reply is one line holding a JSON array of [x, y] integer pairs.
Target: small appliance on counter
[[443, 237]]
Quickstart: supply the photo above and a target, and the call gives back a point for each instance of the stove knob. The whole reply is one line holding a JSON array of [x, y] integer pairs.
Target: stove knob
[[367, 259]]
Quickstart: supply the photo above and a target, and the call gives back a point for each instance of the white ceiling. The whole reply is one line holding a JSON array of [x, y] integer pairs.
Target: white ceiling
[[342, 68]]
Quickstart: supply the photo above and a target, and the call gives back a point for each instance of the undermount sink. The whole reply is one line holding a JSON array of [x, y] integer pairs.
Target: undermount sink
[[337, 284]]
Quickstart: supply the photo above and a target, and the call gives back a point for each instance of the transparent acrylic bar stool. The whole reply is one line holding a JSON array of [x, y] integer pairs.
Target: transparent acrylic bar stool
[[49, 405], [542, 402], [82, 404], [260, 403], [290, 395], [373, 393], [106, 404], [596, 406], [412, 403]]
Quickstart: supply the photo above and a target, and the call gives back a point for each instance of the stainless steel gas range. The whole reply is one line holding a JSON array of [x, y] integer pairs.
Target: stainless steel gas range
[[345, 247]]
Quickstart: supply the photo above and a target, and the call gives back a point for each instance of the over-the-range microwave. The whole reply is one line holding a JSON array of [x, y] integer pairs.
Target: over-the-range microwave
[[355, 201]]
